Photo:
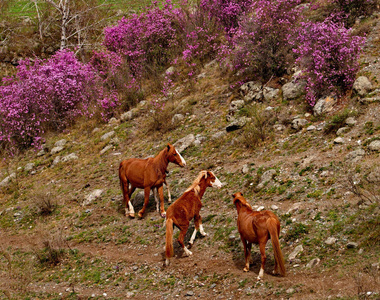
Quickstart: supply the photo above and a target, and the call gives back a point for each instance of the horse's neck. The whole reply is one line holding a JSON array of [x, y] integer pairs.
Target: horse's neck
[[243, 208], [202, 188], [161, 161]]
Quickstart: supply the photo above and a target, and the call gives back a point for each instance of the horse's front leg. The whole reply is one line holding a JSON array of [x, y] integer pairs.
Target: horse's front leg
[[160, 190], [198, 226], [146, 201]]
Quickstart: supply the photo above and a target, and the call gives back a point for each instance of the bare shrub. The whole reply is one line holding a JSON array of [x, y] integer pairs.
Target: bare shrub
[[53, 248], [259, 129], [160, 117], [44, 202]]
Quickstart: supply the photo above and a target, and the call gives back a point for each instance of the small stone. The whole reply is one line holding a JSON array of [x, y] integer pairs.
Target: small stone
[[330, 241], [351, 245]]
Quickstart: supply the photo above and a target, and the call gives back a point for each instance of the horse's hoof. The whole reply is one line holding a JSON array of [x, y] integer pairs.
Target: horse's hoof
[[140, 215], [258, 278], [167, 262], [163, 215], [246, 270], [132, 215]]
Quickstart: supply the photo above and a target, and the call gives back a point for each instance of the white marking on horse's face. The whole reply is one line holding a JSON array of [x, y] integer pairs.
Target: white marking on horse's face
[[182, 159], [216, 183]]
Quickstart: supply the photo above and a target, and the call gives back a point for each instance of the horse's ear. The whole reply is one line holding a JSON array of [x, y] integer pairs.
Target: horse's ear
[[168, 146]]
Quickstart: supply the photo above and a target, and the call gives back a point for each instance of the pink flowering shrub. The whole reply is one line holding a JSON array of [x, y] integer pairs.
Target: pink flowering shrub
[[200, 38], [49, 95], [260, 43], [329, 55], [226, 12], [147, 41]]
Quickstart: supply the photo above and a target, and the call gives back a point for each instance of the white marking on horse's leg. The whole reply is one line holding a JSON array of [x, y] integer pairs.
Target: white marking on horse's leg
[[156, 199], [216, 183], [193, 237], [202, 230], [182, 160], [131, 209], [167, 262], [261, 274], [187, 251], [169, 195]]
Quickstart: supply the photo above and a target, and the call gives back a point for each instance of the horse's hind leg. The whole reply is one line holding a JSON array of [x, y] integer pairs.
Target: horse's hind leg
[[129, 210], [263, 259], [169, 195], [247, 254], [181, 239], [156, 199], [160, 190]]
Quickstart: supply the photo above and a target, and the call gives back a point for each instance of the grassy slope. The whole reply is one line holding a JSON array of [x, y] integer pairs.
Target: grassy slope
[[98, 251]]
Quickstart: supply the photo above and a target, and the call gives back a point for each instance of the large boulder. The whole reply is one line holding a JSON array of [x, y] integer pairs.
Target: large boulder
[[252, 91], [362, 86]]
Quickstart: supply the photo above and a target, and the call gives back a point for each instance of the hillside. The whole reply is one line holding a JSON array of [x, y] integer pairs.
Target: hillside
[[64, 234]]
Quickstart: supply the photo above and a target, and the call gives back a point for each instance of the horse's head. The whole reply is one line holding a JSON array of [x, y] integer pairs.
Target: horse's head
[[239, 199], [174, 156], [212, 180]]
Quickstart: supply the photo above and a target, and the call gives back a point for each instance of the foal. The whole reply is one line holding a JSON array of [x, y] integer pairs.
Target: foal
[[184, 209], [257, 227]]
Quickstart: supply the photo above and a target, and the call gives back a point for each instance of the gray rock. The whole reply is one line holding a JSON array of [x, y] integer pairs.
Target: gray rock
[[265, 178], [113, 121], [339, 140], [236, 105], [252, 91], [71, 156], [177, 118], [351, 245], [7, 180], [29, 167], [60, 143], [127, 116], [270, 93], [184, 143], [298, 124], [295, 252], [342, 130], [95, 194], [107, 135], [355, 155], [362, 86], [57, 149], [374, 145], [311, 128], [106, 148], [324, 105], [237, 124], [245, 169], [330, 241], [56, 160], [294, 89], [313, 263], [351, 121]]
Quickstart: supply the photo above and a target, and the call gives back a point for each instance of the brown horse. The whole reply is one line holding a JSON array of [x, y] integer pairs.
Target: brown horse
[[147, 174], [184, 209], [257, 227]]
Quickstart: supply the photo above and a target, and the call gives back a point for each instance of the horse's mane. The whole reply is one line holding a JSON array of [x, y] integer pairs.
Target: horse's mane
[[245, 203], [195, 185]]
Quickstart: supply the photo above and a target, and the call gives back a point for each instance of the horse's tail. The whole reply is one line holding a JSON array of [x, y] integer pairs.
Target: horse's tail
[[169, 252], [274, 230]]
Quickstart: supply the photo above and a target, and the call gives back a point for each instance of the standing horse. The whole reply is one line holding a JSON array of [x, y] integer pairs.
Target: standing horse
[[184, 209], [257, 227], [147, 174]]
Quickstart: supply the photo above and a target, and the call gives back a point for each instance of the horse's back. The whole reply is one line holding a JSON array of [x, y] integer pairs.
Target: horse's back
[[133, 170]]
